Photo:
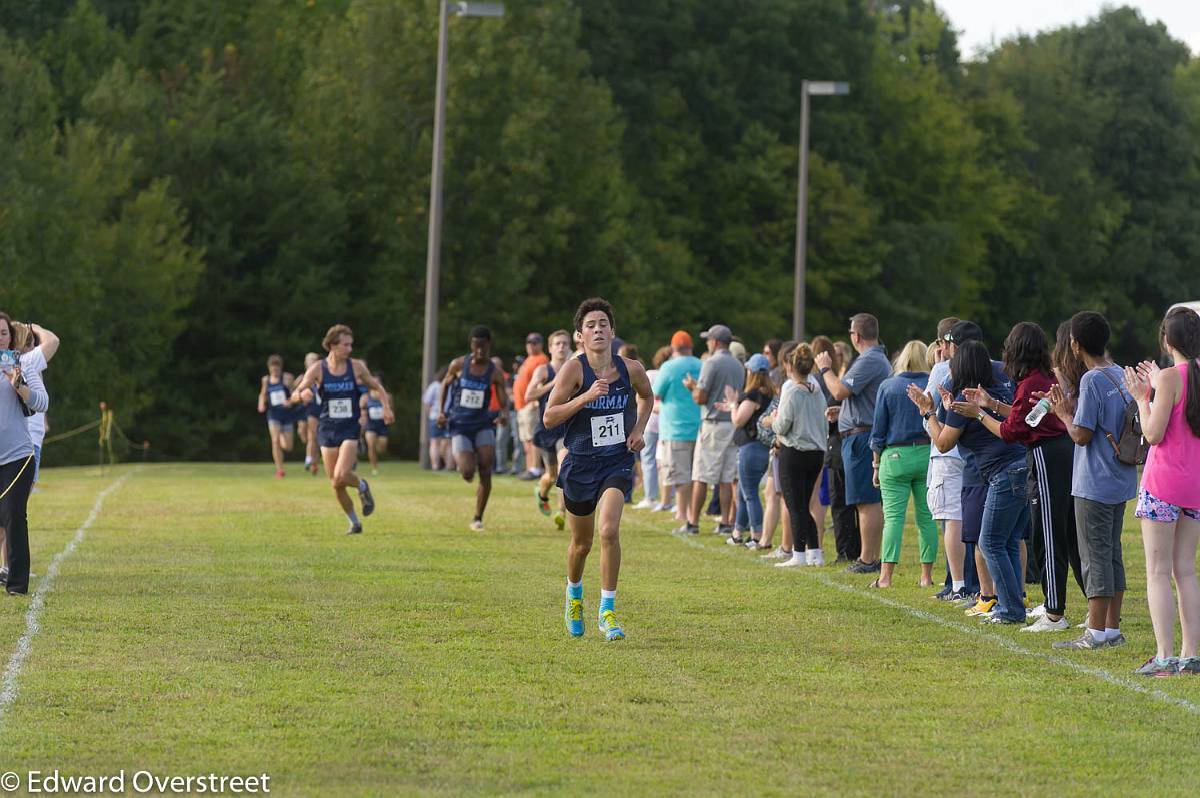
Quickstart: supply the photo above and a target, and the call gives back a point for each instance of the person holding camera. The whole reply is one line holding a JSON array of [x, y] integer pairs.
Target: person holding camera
[[21, 395]]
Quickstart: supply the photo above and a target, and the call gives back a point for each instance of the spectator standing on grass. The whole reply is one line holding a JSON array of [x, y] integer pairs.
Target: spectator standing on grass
[[945, 486], [900, 447], [1100, 483], [715, 461], [1002, 466], [775, 513], [845, 516], [654, 498], [857, 390], [1169, 501], [527, 412], [679, 420], [440, 457], [1049, 457], [752, 455]]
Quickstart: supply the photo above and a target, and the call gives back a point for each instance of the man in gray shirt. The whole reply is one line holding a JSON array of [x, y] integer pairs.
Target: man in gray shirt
[[857, 391], [715, 461]]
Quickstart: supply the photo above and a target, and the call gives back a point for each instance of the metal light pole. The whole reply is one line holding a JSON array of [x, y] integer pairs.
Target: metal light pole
[[434, 250], [807, 89]]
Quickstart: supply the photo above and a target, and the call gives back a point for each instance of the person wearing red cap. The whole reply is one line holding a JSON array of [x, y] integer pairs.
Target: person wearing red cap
[[678, 420]]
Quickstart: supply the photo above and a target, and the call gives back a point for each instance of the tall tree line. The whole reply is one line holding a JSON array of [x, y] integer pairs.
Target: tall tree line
[[191, 187]]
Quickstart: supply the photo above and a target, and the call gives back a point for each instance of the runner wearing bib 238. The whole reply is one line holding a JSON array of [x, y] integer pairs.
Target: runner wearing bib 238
[[336, 379], [595, 395]]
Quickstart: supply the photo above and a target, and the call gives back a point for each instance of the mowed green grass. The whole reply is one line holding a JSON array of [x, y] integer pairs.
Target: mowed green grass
[[215, 619]]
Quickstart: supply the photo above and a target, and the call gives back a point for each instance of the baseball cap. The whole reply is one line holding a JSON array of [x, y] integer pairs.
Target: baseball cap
[[719, 333], [681, 339], [534, 338], [758, 362], [738, 350], [964, 331]]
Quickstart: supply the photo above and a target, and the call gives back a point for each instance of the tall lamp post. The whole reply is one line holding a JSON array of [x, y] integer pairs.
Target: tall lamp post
[[807, 89], [434, 250]]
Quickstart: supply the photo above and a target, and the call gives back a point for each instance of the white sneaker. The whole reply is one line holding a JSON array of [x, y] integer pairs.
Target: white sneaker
[[797, 561], [814, 557], [662, 508], [1037, 612], [1044, 624], [777, 554], [476, 526], [644, 504]]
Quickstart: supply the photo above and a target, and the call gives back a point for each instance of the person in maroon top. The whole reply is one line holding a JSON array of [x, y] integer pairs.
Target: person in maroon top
[[1050, 456]]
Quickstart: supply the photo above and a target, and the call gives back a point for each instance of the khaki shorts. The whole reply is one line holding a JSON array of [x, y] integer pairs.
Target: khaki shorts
[[675, 462], [526, 421], [715, 461]]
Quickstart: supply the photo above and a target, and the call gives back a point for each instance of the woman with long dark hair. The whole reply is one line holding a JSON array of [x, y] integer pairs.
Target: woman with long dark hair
[[1050, 455], [16, 456], [1006, 514], [1169, 499]]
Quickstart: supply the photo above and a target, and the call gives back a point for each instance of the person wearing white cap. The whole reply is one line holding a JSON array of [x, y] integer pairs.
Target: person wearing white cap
[[715, 463]]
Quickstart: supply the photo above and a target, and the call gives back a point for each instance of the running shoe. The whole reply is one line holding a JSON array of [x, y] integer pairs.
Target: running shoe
[[368, 501], [645, 504], [860, 567], [609, 626], [1113, 642], [815, 558], [796, 560], [1044, 624], [686, 529], [574, 616], [477, 525], [959, 597], [279, 474], [1038, 611], [560, 520], [1085, 642], [1159, 667], [1189, 665], [982, 607], [1000, 620], [355, 529], [780, 553], [543, 502], [942, 594]]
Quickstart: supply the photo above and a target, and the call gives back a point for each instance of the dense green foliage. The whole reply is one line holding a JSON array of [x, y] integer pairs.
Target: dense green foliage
[[190, 187]]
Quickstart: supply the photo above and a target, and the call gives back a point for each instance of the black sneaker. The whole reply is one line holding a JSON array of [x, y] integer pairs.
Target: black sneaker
[[686, 529], [956, 595], [724, 529], [942, 594], [355, 529], [860, 567], [368, 501]]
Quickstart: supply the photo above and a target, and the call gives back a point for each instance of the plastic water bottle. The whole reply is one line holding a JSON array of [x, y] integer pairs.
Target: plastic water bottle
[[1038, 412]]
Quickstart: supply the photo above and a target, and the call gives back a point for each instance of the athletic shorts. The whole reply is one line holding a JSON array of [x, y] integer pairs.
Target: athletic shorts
[[973, 498], [280, 426], [527, 418], [378, 427], [312, 410], [461, 444], [944, 494], [675, 461], [551, 455], [1154, 509], [856, 461], [583, 480], [437, 432], [715, 460], [333, 433]]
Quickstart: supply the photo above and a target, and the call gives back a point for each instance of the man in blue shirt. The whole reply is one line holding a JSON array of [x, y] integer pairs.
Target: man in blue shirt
[[678, 420], [1100, 483], [857, 391]]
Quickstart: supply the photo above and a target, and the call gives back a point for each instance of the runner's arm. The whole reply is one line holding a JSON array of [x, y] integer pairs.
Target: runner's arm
[[311, 378], [447, 381], [368, 379], [262, 395], [536, 389]]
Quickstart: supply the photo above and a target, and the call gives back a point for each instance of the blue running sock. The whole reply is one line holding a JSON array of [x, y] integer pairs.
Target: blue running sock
[[575, 590], [607, 599]]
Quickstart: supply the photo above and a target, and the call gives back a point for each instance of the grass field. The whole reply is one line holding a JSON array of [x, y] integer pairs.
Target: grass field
[[214, 619]]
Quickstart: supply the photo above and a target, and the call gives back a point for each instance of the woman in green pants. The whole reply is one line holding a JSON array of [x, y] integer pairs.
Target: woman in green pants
[[901, 460]]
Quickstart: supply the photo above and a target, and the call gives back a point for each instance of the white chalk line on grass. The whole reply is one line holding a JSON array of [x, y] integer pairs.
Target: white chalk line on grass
[[32, 626], [996, 639]]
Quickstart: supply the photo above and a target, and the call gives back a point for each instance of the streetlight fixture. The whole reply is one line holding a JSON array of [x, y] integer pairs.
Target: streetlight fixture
[[434, 249], [808, 88]]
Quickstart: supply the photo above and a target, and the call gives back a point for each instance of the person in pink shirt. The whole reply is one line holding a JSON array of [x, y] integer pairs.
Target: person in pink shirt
[[1169, 500]]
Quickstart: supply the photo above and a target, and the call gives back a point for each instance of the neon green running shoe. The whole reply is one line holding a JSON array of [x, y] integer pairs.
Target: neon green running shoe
[[609, 626], [560, 520], [574, 616], [543, 502]]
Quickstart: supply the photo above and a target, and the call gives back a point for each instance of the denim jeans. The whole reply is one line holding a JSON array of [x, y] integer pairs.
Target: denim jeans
[[752, 464], [1005, 519], [650, 465]]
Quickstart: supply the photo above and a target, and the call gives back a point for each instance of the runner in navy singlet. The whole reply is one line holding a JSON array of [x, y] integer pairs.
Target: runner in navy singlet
[[372, 421], [605, 403], [273, 400], [549, 443], [312, 412], [336, 380], [469, 385]]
